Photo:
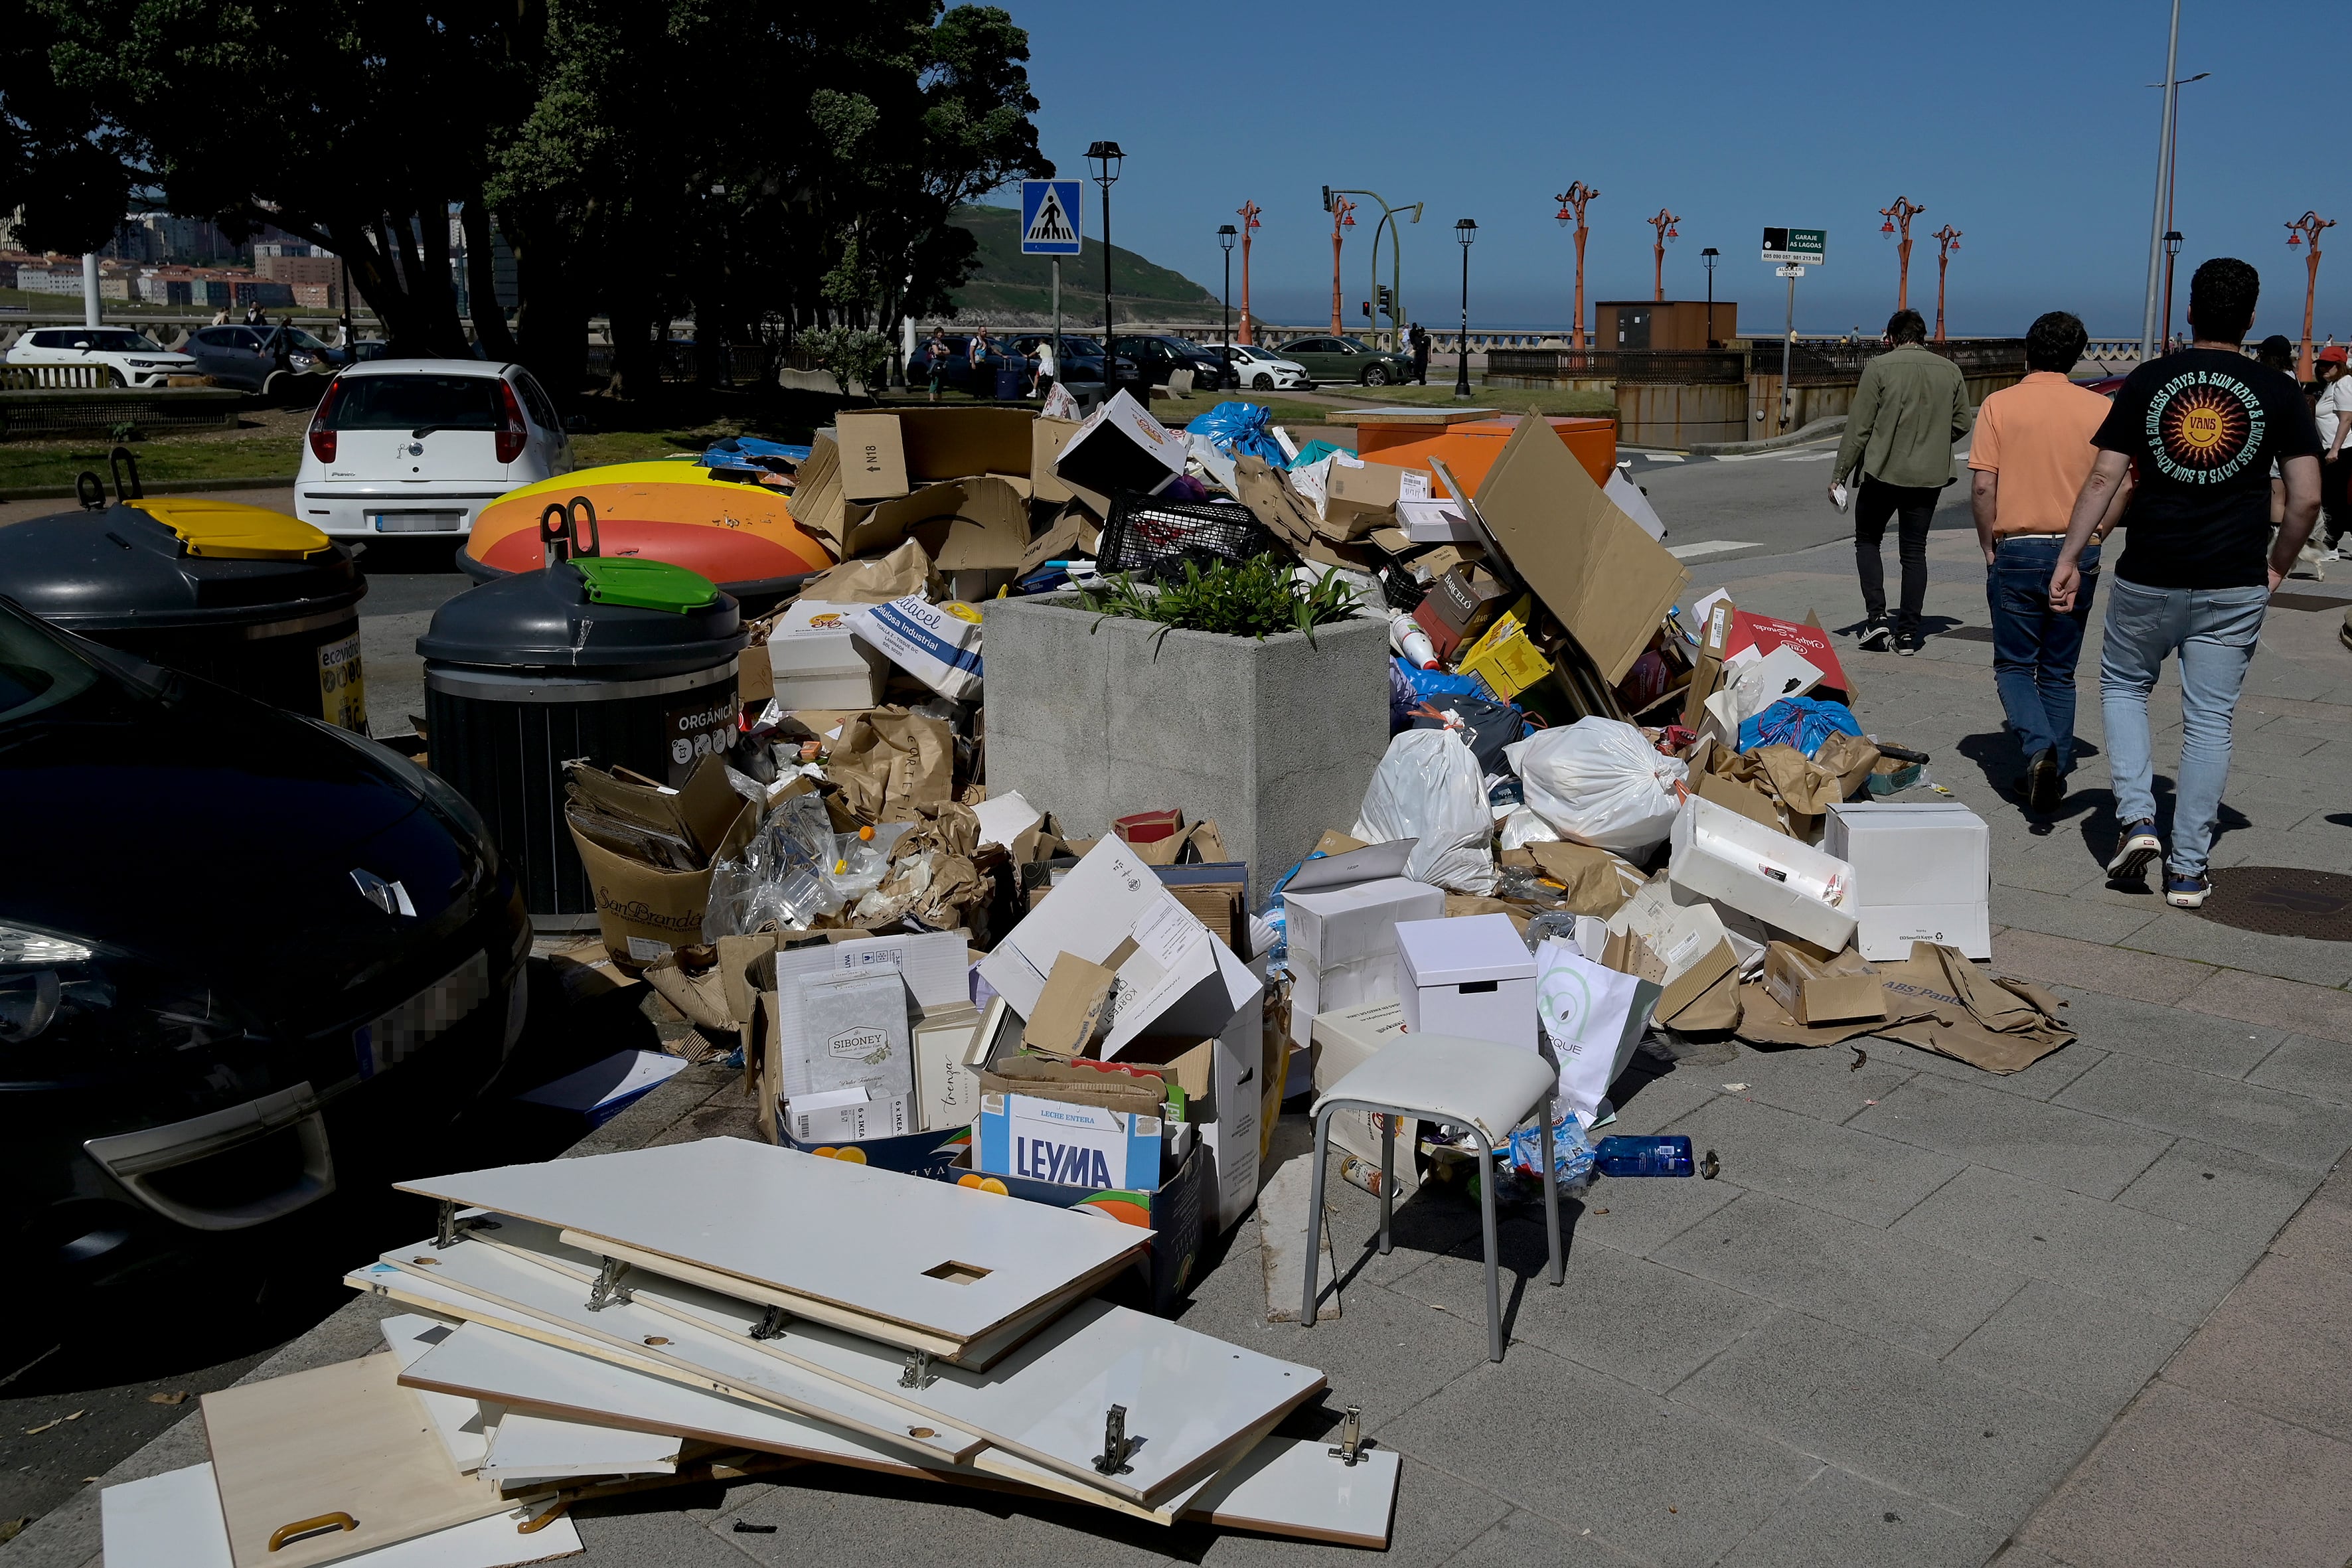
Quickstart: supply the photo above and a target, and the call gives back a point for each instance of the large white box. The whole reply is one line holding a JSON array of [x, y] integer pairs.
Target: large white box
[[1345, 1039], [1470, 978], [819, 664], [1792, 887], [1342, 944], [1922, 872]]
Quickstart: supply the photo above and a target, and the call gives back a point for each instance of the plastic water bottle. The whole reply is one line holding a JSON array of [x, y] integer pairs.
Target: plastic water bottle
[[1411, 642], [1655, 1156]]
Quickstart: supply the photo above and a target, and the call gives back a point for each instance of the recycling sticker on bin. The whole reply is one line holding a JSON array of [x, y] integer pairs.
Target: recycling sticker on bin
[[707, 727]]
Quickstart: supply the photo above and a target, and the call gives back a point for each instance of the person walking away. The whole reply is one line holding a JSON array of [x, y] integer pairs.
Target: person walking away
[[1420, 355], [2029, 458], [1910, 409], [2196, 431], [935, 353], [2333, 413], [1048, 368]]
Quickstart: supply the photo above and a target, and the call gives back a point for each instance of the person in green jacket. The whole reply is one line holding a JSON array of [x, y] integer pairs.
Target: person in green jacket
[[1910, 409]]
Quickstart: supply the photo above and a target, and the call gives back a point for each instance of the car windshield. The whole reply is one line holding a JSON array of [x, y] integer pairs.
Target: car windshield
[[1356, 343], [1184, 345], [416, 402], [302, 340], [1085, 347], [120, 343]]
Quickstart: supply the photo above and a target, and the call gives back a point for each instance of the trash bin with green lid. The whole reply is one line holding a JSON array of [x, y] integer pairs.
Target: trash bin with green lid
[[625, 662]]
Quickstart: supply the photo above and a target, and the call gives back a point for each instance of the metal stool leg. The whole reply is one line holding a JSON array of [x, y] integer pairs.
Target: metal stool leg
[[1315, 1217], [1486, 1217], [1388, 1177], [1551, 1194]]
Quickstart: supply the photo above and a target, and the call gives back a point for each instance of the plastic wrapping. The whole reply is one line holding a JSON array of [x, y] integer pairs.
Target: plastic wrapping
[[1428, 788], [1601, 782], [1572, 1158], [1238, 429], [1804, 723], [781, 878]]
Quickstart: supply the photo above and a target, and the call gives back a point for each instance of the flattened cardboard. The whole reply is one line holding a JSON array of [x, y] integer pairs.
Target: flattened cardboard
[[1047, 439], [1119, 448], [1814, 992], [1069, 1011]]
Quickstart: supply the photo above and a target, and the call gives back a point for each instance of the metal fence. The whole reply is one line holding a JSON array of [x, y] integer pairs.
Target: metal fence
[[43, 377], [1686, 367], [746, 363], [84, 411]]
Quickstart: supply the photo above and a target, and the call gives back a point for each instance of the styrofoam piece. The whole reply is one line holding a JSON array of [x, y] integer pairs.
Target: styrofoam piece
[[952, 1260], [173, 1520], [526, 1447], [1296, 1486], [457, 1422], [1634, 503], [1721, 855]]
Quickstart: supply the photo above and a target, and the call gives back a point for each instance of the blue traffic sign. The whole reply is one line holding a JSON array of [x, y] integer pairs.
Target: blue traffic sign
[[1049, 217]]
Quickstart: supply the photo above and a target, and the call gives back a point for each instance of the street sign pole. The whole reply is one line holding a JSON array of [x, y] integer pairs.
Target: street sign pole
[[1794, 249], [1050, 226], [1057, 319], [1788, 342]]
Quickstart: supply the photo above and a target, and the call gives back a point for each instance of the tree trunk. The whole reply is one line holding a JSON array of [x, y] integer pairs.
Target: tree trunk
[[481, 283], [636, 361]]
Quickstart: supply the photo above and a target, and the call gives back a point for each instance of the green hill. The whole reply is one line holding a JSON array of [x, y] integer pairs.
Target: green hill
[[1012, 288]]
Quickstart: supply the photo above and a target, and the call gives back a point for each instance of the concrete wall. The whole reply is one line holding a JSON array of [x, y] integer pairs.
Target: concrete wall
[[1673, 417], [1813, 403]]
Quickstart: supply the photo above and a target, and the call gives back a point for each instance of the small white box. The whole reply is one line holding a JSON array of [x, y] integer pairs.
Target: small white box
[[1472, 977], [1719, 854], [1343, 943], [1434, 522], [1922, 872], [818, 663]]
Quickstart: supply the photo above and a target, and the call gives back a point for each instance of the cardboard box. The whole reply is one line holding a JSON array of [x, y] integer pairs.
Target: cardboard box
[[1223, 1077], [1359, 497], [1063, 1143], [1217, 893], [938, 644], [926, 1154], [1047, 439], [1470, 978], [1344, 1039], [1120, 448], [643, 910], [947, 1078], [816, 663], [1788, 886], [935, 971], [1814, 992], [1506, 660], [1434, 522], [1467, 598], [1921, 873], [845, 492], [1343, 943], [1765, 633], [1693, 950], [979, 546], [1069, 1011], [1714, 642]]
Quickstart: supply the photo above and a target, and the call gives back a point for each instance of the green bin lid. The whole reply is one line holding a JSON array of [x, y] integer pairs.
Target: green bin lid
[[647, 584]]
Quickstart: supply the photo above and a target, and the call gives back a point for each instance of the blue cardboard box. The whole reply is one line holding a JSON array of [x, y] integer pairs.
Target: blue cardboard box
[[1172, 1213]]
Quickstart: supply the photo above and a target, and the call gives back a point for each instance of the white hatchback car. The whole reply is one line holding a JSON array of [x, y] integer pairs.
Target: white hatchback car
[[132, 359], [420, 445], [1263, 371]]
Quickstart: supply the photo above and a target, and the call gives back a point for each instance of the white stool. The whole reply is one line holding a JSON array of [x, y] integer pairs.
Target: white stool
[[1477, 1084]]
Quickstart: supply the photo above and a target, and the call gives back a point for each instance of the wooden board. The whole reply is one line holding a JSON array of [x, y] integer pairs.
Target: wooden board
[[173, 1520], [953, 1261], [525, 1446], [341, 1438], [1295, 1486], [458, 1423]]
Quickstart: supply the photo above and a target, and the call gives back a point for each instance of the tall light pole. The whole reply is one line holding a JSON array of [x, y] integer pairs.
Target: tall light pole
[[1465, 231], [1103, 159], [1343, 217], [2159, 220], [2306, 231], [1396, 254], [1571, 209], [1225, 236], [1947, 240], [1248, 212], [1707, 258], [1665, 223], [1901, 212], [2171, 250]]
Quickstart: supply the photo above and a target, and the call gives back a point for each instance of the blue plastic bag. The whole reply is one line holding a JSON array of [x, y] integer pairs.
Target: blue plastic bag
[[1239, 429], [1798, 721], [1573, 1156], [752, 452], [1409, 688]]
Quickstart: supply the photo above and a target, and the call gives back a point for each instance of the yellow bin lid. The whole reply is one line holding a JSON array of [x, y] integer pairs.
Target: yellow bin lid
[[230, 531]]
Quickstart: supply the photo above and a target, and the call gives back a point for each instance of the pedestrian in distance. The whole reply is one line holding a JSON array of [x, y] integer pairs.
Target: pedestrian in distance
[[1048, 368], [1420, 355], [220, 317], [2333, 413], [2028, 461], [935, 355], [2196, 432], [253, 316], [2278, 352], [1909, 408]]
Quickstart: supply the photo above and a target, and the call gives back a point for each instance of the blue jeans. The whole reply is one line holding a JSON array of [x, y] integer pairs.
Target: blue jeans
[[2034, 648], [2213, 631]]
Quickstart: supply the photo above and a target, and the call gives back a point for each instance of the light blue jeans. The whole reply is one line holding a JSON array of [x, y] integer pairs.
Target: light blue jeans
[[2213, 631]]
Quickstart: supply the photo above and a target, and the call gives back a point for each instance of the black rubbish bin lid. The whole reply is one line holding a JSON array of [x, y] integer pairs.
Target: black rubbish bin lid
[[173, 561], [583, 616]]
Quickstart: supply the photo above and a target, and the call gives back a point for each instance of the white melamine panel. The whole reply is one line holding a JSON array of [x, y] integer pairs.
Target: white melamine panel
[[1291, 1486], [173, 1520], [457, 1422], [525, 1446]]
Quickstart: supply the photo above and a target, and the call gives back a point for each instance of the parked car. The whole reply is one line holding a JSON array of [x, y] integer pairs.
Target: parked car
[[366, 349], [1159, 355], [1263, 370], [317, 957], [261, 359], [130, 359], [420, 445], [1349, 359]]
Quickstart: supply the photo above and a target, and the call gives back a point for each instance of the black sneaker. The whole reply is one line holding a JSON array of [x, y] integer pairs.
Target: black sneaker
[[1909, 643], [2139, 846], [1878, 636], [2044, 785]]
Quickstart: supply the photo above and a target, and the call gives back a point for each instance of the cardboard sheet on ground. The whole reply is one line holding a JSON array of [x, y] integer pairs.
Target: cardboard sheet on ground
[[1937, 1001]]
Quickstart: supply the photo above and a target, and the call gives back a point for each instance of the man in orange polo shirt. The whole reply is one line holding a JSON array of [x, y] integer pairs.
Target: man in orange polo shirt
[[2030, 454]]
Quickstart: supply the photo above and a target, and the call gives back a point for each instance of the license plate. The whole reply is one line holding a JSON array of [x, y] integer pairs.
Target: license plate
[[422, 1018], [342, 685], [414, 522]]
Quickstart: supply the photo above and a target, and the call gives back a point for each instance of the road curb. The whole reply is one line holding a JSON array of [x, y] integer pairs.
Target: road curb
[[1834, 425]]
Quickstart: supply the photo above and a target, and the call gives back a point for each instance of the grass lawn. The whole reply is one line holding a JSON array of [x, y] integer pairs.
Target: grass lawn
[[266, 445], [1510, 399]]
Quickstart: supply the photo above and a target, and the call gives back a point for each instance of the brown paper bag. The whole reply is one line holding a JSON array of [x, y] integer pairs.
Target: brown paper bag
[[877, 581], [892, 765], [1597, 882]]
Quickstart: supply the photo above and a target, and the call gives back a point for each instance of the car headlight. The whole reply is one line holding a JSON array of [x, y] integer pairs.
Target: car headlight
[[68, 1003]]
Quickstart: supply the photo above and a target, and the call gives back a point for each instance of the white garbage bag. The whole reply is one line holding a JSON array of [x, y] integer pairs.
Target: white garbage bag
[[1427, 787], [1601, 782]]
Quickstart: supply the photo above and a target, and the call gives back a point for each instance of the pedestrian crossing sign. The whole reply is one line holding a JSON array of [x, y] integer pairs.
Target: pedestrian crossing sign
[[1049, 217]]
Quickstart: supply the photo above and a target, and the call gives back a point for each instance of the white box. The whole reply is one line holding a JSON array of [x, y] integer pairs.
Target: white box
[[1343, 943], [1231, 1135], [947, 1083], [1345, 1039], [818, 663], [1719, 854], [1434, 522], [1472, 977], [1922, 872]]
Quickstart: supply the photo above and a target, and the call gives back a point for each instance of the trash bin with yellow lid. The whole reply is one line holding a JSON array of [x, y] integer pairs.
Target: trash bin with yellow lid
[[256, 600]]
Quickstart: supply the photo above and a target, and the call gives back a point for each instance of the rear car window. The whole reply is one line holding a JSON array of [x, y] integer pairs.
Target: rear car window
[[535, 399], [413, 402]]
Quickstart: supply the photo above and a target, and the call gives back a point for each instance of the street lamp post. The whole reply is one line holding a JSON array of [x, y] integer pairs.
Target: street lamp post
[[1343, 217], [2306, 231], [2171, 250], [1665, 223], [1103, 159], [1571, 209], [1465, 231], [1947, 240], [1901, 212], [1708, 258], [1248, 212], [1226, 234]]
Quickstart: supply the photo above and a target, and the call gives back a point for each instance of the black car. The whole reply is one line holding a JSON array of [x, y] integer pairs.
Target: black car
[[1159, 355], [236, 946]]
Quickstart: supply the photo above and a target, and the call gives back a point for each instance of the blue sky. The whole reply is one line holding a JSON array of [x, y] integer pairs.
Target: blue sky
[[2024, 125]]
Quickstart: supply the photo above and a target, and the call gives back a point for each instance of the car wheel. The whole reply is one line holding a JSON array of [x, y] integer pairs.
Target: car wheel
[[1262, 382], [114, 378], [1376, 375]]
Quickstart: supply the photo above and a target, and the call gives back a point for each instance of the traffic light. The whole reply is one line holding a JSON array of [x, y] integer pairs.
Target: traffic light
[[1327, 198], [1368, 310], [1388, 304]]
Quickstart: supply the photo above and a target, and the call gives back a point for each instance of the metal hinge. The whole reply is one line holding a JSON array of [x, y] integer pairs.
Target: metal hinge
[[608, 1291], [770, 1325], [1351, 1438], [918, 1372], [1118, 1446], [448, 1230]]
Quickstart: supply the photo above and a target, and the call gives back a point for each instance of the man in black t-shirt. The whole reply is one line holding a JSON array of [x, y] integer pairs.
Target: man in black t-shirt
[[2198, 431]]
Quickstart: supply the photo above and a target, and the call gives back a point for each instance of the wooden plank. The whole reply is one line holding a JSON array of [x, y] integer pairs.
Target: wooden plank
[[953, 1261], [344, 1438], [458, 1423]]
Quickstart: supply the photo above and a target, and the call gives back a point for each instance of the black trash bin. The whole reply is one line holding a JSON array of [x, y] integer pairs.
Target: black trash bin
[[256, 600], [625, 662]]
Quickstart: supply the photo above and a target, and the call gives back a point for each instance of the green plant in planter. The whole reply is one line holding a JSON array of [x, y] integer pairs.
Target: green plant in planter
[[1258, 598]]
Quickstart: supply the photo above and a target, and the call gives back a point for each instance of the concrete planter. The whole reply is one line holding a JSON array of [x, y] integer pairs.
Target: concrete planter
[[1092, 717]]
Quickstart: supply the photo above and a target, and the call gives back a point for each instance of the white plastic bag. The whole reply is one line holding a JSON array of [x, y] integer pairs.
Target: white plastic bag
[[1427, 787], [1601, 782], [1522, 828]]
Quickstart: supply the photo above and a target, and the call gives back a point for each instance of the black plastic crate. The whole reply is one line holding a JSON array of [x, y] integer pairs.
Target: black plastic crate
[[1152, 538]]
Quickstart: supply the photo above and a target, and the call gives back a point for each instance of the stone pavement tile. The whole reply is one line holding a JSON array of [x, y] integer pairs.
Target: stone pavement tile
[[1895, 1288], [857, 1519], [652, 1529], [2066, 1148], [2328, 848], [2088, 1351], [1821, 1084], [1437, 1515], [2131, 1027], [1983, 1448], [1616, 1314], [2301, 1065], [2063, 961], [2155, 1265], [1651, 1099], [1843, 1519], [1520, 1538], [1384, 1352], [2279, 1344], [2017, 1555], [2045, 869], [2283, 1004], [2288, 1128], [2180, 934], [1424, 1224], [2059, 915], [2221, 1191], [1817, 1163], [2184, 1478], [2040, 1082], [1646, 1212], [1651, 1477]]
